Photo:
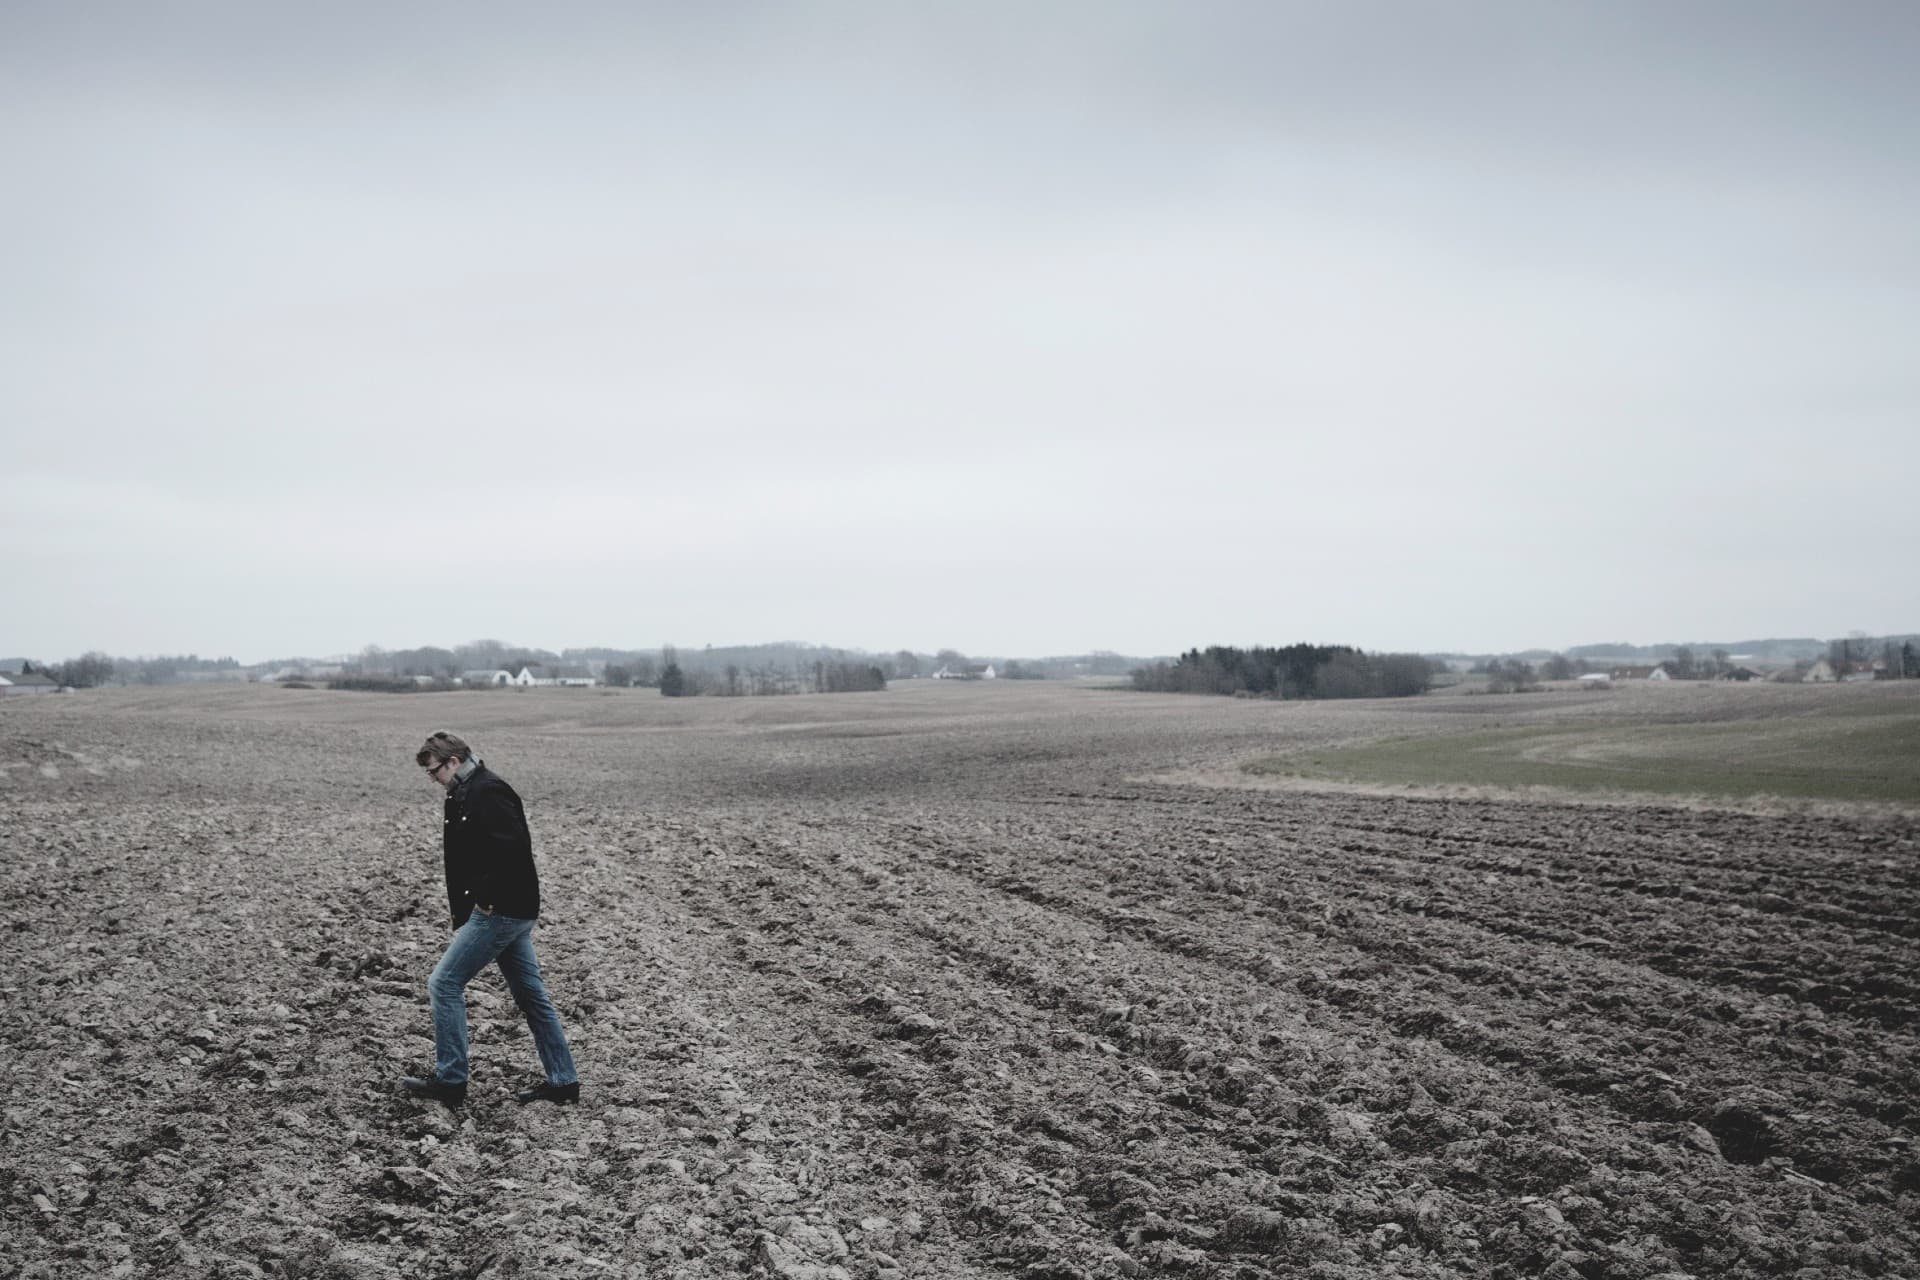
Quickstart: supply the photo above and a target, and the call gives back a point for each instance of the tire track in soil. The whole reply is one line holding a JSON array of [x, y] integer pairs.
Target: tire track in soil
[[1840, 975], [1757, 848], [987, 915], [900, 1066], [1490, 971], [774, 1158], [1413, 1029], [1635, 1089], [983, 1193], [1576, 869], [1832, 981], [1895, 894]]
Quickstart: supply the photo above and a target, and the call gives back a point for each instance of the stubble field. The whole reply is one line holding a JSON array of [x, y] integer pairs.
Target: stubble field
[[943, 981]]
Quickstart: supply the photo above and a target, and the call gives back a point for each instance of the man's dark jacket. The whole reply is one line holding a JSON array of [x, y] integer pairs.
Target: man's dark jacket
[[488, 849]]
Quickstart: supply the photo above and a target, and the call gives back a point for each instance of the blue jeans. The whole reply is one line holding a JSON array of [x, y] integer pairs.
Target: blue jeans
[[509, 941]]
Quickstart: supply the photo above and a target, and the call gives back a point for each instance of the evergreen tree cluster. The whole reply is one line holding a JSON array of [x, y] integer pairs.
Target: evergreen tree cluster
[[848, 677], [1296, 671]]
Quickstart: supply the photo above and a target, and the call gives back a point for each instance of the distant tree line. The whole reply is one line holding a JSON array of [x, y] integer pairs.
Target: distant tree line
[[848, 677], [87, 671], [1685, 664], [1891, 658], [1515, 675], [1296, 671], [736, 681], [738, 670], [1886, 658], [639, 673], [94, 669]]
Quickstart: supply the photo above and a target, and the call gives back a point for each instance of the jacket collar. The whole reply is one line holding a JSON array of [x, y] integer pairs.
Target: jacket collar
[[462, 778]]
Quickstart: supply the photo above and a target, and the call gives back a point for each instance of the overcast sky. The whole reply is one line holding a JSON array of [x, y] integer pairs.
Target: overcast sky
[[1018, 328]]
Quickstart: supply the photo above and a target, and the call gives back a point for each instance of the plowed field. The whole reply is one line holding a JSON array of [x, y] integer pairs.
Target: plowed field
[[934, 982]]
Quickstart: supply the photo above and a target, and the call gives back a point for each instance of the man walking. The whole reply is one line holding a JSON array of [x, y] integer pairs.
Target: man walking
[[494, 894]]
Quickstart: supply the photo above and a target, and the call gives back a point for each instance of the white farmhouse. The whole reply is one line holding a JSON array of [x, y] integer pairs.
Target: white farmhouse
[[566, 677], [27, 682]]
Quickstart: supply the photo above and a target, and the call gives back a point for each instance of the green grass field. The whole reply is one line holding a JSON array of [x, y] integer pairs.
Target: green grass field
[[1857, 751]]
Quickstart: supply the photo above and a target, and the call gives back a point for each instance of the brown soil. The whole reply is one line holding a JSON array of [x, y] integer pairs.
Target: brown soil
[[922, 984]]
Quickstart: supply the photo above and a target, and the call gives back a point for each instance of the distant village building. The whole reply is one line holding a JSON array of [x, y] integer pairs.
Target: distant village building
[[1633, 673], [484, 679], [1659, 673], [27, 682], [1740, 675], [1596, 679], [1820, 672], [575, 677]]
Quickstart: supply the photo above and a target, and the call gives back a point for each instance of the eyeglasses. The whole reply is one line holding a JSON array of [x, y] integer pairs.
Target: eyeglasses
[[433, 770]]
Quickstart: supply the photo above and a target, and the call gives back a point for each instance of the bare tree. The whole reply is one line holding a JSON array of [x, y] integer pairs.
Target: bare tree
[[87, 671], [1509, 675]]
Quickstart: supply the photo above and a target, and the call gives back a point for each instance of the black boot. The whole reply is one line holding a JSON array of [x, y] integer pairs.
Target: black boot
[[554, 1093], [436, 1088]]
